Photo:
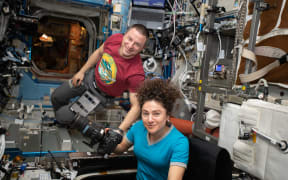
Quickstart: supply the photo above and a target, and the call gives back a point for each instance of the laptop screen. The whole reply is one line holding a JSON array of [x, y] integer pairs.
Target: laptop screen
[[149, 3]]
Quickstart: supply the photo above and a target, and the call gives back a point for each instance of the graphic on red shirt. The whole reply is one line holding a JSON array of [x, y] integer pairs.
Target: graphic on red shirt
[[107, 69], [113, 73]]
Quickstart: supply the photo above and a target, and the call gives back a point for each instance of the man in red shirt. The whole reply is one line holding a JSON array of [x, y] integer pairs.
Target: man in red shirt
[[118, 68]]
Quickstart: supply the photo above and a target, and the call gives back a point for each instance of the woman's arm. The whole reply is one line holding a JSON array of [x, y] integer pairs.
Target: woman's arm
[[176, 172], [123, 146]]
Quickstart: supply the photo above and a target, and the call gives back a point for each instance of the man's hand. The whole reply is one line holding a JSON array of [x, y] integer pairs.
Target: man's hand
[[91, 62], [77, 79], [111, 139]]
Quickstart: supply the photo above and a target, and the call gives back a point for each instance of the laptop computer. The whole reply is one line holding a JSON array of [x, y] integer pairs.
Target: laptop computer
[[150, 13]]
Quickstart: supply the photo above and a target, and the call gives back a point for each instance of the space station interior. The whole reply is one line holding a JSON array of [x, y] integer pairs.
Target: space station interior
[[228, 58]]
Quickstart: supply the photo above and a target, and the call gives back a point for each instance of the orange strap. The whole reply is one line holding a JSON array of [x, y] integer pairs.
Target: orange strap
[[184, 126]]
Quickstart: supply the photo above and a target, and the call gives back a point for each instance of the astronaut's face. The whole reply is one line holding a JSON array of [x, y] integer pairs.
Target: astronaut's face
[[132, 44], [154, 117]]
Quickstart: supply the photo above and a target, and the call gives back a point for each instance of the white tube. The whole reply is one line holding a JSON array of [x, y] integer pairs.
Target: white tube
[[2, 145], [123, 171]]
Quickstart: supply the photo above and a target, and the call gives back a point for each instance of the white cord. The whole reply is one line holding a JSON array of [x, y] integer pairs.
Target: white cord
[[197, 38], [179, 6], [174, 28], [174, 21], [184, 55], [182, 76], [111, 172], [220, 48], [169, 21], [262, 80], [280, 85], [2, 145]]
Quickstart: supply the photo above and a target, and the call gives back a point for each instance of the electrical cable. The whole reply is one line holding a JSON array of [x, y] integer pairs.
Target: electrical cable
[[110, 172], [182, 76], [195, 8], [219, 51], [265, 83], [197, 38], [174, 64], [280, 85], [157, 52], [174, 21], [170, 6], [174, 28], [2, 145], [178, 5]]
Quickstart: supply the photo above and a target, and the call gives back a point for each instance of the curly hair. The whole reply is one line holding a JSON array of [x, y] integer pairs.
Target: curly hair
[[159, 90]]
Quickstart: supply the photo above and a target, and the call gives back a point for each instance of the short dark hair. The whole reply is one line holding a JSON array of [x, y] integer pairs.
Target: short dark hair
[[159, 90], [141, 29]]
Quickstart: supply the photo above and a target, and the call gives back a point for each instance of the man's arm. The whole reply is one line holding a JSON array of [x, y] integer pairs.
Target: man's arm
[[176, 172], [132, 114], [113, 137], [92, 60]]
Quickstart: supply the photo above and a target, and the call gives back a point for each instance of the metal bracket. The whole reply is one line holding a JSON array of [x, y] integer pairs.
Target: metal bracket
[[198, 125]]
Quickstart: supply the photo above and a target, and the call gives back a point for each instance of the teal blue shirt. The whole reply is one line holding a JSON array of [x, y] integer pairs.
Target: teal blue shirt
[[154, 160]]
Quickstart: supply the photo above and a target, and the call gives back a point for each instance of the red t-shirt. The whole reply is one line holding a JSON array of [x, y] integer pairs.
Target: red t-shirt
[[114, 74]]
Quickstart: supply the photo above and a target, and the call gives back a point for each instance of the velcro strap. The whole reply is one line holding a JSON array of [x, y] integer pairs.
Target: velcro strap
[[244, 78], [283, 59], [266, 51], [249, 55], [269, 51]]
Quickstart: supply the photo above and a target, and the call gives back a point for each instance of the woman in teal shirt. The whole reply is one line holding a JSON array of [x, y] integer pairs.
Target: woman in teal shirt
[[161, 150]]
